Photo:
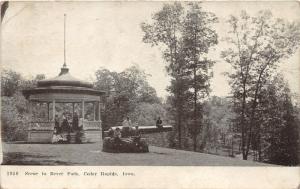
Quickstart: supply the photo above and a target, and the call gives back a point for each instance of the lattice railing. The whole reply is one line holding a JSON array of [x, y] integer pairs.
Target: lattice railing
[[41, 125], [91, 125]]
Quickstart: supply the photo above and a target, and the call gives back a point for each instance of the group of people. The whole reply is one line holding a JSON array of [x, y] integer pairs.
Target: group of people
[[63, 125], [127, 138], [129, 130]]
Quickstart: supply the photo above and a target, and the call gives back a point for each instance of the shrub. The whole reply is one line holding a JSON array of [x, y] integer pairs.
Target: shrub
[[14, 118]]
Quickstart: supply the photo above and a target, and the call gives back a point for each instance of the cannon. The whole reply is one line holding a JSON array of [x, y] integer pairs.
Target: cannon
[[129, 142]]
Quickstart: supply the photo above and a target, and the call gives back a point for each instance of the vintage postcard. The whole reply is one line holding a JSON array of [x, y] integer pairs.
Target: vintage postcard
[[148, 94]]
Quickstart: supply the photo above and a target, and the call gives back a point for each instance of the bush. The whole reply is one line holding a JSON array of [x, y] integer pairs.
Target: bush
[[14, 118]]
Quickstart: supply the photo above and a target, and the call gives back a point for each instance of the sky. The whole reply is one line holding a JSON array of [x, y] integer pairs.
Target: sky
[[108, 35]]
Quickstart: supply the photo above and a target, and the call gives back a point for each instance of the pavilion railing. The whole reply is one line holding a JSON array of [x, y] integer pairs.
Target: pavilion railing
[[91, 125], [41, 125]]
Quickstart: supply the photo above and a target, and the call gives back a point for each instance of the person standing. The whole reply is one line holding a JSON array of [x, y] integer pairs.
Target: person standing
[[127, 122], [75, 122], [65, 124], [57, 128]]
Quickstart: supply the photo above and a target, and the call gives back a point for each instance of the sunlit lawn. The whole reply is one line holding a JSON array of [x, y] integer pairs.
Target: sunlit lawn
[[91, 154]]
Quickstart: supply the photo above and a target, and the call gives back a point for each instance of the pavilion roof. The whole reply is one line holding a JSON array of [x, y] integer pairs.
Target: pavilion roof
[[63, 83], [64, 79]]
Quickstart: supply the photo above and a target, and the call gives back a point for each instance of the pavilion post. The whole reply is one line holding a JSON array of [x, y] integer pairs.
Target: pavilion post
[[99, 119], [30, 110], [82, 109], [48, 108], [72, 109], [53, 109], [99, 111], [94, 106]]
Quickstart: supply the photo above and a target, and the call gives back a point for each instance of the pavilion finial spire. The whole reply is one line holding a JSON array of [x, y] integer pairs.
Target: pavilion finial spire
[[65, 63], [64, 69]]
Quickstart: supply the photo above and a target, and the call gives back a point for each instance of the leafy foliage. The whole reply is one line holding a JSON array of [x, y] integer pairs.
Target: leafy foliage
[[14, 118], [128, 94], [257, 45], [10, 82], [276, 139]]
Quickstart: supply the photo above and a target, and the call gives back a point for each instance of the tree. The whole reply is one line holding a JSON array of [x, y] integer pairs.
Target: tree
[[198, 36], [14, 117], [165, 32], [278, 125], [185, 35], [219, 115], [257, 45], [10, 82], [4, 6], [126, 93], [147, 113], [14, 112]]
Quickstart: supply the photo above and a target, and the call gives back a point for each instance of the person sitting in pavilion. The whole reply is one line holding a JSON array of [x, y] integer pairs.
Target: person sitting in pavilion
[[65, 124], [75, 122], [57, 137], [57, 128]]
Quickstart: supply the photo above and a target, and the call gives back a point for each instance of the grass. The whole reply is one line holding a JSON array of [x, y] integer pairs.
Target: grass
[[91, 154]]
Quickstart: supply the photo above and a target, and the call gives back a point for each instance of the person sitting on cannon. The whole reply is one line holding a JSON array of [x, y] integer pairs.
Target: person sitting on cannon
[[110, 133], [117, 139], [136, 134], [136, 131], [127, 127], [159, 123], [117, 133]]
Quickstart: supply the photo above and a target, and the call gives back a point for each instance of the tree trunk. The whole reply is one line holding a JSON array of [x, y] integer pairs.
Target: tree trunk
[[195, 92], [253, 107], [259, 149], [244, 78], [179, 131], [178, 99], [195, 142], [179, 118], [195, 110], [232, 153], [243, 122], [4, 6]]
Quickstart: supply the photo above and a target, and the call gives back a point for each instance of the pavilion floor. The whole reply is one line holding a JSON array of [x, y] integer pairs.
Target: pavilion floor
[[91, 154]]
